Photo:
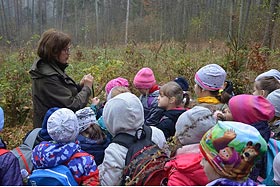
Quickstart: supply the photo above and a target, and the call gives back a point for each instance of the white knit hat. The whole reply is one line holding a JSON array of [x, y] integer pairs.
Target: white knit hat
[[86, 117], [192, 125], [63, 126]]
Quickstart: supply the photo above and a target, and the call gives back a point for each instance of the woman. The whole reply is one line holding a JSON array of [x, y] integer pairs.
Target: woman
[[51, 86]]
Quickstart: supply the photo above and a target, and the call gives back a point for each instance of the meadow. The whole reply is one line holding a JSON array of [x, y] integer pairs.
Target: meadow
[[167, 60]]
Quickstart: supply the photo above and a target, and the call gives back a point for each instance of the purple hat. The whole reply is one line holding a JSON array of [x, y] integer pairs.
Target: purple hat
[[210, 77]]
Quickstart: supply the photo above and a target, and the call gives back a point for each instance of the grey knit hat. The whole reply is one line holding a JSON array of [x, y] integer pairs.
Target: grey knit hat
[[274, 99], [193, 124], [271, 73]]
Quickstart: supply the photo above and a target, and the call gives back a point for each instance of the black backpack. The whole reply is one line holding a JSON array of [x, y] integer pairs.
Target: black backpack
[[144, 163]]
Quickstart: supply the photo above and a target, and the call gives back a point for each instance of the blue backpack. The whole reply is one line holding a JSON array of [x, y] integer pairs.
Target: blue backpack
[[273, 149], [56, 176]]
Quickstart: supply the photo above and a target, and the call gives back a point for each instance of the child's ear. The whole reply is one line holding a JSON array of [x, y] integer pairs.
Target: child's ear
[[172, 100]]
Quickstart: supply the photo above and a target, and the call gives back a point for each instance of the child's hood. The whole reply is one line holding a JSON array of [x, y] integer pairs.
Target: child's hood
[[123, 113], [50, 154]]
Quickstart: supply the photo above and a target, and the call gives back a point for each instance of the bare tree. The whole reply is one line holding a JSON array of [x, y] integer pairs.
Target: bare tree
[[270, 23], [126, 22]]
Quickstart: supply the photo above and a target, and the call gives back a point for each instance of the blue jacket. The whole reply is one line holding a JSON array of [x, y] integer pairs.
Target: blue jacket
[[168, 121], [50, 154], [94, 147], [9, 169]]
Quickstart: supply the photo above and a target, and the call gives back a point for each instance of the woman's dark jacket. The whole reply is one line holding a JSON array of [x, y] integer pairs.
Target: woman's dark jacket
[[52, 87]]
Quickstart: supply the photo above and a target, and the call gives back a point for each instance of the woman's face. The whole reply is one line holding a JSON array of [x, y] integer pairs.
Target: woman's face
[[64, 55]]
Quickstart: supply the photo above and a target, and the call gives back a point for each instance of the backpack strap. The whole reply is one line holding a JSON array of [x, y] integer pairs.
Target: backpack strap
[[30, 140], [128, 140], [3, 151]]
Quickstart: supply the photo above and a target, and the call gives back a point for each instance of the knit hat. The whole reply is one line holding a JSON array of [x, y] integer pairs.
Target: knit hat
[[86, 117], [123, 113], [210, 77], [44, 132], [1, 119], [63, 126], [116, 82], [271, 73], [192, 125], [250, 109], [276, 169], [274, 99], [232, 148], [144, 79], [183, 83]]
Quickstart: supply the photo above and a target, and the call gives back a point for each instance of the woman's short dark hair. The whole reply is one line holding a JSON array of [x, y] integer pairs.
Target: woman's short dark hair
[[51, 43]]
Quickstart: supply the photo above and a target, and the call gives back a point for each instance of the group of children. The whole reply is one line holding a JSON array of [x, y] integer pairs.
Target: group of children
[[222, 140]]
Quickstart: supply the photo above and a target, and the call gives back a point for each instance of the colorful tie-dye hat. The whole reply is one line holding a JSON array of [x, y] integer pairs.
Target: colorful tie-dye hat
[[232, 148]]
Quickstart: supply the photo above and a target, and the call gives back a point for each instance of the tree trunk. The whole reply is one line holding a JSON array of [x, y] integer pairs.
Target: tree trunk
[[126, 22], [62, 15], [97, 20], [274, 4], [33, 17], [230, 28]]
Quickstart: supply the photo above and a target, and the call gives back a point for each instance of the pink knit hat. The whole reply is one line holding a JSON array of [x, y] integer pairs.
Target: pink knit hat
[[250, 109], [116, 82], [144, 78]]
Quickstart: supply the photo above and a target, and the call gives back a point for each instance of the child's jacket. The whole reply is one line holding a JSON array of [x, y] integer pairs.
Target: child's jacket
[[50, 154]]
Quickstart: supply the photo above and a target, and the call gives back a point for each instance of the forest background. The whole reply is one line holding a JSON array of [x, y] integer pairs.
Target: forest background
[[112, 38]]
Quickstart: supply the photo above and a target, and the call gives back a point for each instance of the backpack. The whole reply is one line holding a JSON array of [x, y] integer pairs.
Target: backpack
[[3, 151], [58, 176], [144, 163], [272, 151], [24, 151]]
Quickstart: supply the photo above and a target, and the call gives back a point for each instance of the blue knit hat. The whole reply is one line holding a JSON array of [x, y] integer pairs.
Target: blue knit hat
[[183, 83], [43, 132]]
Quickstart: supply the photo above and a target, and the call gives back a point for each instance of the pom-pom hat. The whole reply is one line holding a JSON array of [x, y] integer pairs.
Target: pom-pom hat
[[210, 77], [144, 79]]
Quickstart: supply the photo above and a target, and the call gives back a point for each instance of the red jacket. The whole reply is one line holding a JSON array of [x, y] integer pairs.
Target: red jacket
[[185, 170]]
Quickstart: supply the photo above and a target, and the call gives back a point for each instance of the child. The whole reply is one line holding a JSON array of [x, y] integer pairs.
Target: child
[[92, 139], [185, 166], [185, 87], [63, 128], [276, 169], [265, 85], [274, 99], [145, 82], [210, 81], [170, 99], [117, 82], [122, 114], [9, 166], [252, 110], [231, 150]]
